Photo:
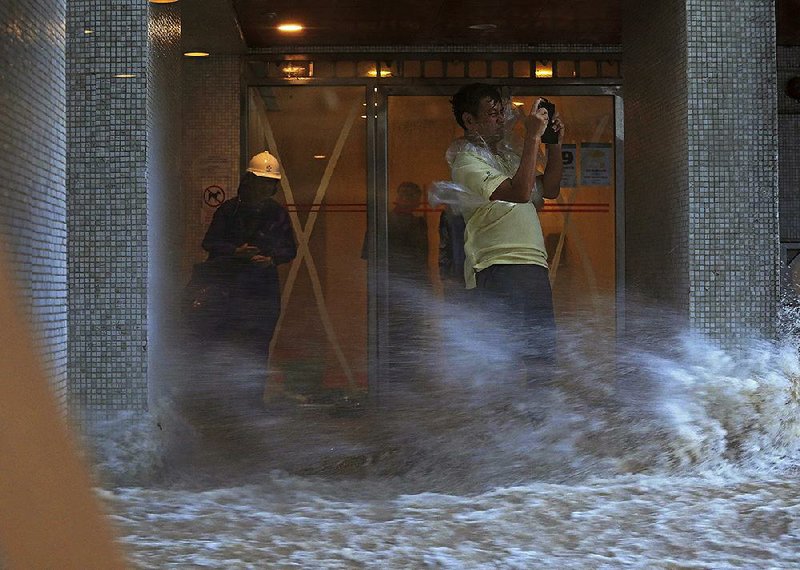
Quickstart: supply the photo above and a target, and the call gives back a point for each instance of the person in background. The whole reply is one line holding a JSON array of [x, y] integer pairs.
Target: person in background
[[249, 236], [451, 252], [408, 236], [408, 278]]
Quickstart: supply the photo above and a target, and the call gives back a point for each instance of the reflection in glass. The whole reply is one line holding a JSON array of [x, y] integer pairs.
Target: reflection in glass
[[320, 343], [579, 227]]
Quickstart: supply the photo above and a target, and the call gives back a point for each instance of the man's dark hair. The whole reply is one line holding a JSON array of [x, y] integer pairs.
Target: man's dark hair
[[468, 99]]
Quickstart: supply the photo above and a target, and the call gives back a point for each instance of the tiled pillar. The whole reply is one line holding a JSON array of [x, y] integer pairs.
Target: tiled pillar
[[165, 204], [701, 162], [107, 204], [33, 232], [734, 256]]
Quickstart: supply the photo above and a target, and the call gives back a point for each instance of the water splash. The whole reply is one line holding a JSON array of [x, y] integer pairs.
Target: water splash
[[667, 404]]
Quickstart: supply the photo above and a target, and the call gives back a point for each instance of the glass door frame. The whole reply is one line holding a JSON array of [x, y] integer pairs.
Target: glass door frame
[[377, 94], [379, 212]]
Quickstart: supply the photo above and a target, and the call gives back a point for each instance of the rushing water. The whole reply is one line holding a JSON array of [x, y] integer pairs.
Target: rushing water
[[666, 451]]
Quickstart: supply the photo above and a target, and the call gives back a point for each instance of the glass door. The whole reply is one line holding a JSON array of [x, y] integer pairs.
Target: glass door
[[358, 303], [579, 227], [319, 349]]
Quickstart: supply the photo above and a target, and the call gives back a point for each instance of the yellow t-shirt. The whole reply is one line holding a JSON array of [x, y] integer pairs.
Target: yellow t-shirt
[[497, 232]]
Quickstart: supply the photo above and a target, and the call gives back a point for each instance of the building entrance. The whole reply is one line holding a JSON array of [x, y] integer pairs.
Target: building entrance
[[358, 162]]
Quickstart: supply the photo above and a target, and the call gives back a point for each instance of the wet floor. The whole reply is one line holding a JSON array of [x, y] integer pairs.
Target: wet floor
[[630, 521], [678, 457]]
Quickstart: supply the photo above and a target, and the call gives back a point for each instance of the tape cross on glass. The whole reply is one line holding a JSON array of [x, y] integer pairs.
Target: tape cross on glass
[[304, 232]]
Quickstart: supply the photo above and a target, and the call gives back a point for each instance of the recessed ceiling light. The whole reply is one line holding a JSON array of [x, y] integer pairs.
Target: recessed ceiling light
[[320, 156], [483, 27], [87, 31], [290, 28], [196, 54], [124, 75], [162, 1]]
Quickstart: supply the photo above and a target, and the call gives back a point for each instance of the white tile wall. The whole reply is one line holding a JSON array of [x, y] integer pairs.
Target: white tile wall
[[33, 164]]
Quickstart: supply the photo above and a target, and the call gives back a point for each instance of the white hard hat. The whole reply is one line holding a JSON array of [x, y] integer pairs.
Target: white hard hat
[[265, 165]]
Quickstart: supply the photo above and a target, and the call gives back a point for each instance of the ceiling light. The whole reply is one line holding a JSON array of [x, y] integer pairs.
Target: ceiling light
[[124, 75], [196, 54], [290, 28], [384, 73], [544, 69], [483, 27], [162, 1], [87, 32], [320, 156]]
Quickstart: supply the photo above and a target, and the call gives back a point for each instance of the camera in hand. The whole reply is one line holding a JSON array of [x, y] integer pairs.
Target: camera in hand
[[549, 136]]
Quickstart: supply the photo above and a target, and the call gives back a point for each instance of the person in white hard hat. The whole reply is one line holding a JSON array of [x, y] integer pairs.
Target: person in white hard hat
[[249, 236]]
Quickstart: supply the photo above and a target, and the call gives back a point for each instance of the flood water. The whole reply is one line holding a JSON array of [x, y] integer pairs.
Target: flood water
[[665, 451]]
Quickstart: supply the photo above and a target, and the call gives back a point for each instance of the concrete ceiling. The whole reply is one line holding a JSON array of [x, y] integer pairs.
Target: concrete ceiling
[[235, 25], [427, 22]]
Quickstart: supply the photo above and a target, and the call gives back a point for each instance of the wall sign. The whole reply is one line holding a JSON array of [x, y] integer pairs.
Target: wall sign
[[213, 196], [596, 164]]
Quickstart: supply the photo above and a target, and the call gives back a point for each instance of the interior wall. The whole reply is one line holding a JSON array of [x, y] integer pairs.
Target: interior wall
[[210, 142], [33, 163], [656, 157]]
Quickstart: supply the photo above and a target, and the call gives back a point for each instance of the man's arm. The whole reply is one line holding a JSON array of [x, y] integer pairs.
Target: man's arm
[[519, 188], [551, 180], [275, 238]]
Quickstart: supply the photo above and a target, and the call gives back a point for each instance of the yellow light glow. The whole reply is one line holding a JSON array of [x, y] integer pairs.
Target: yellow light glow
[[124, 75], [518, 103], [483, 27], [162, 1], [544, 69], [320, 156], [384, 73], [87, 31], [290, 28], [196, 54]]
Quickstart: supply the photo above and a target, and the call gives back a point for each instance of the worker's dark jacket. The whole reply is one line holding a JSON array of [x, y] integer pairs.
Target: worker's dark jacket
[[228, 296], [268, 228]]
